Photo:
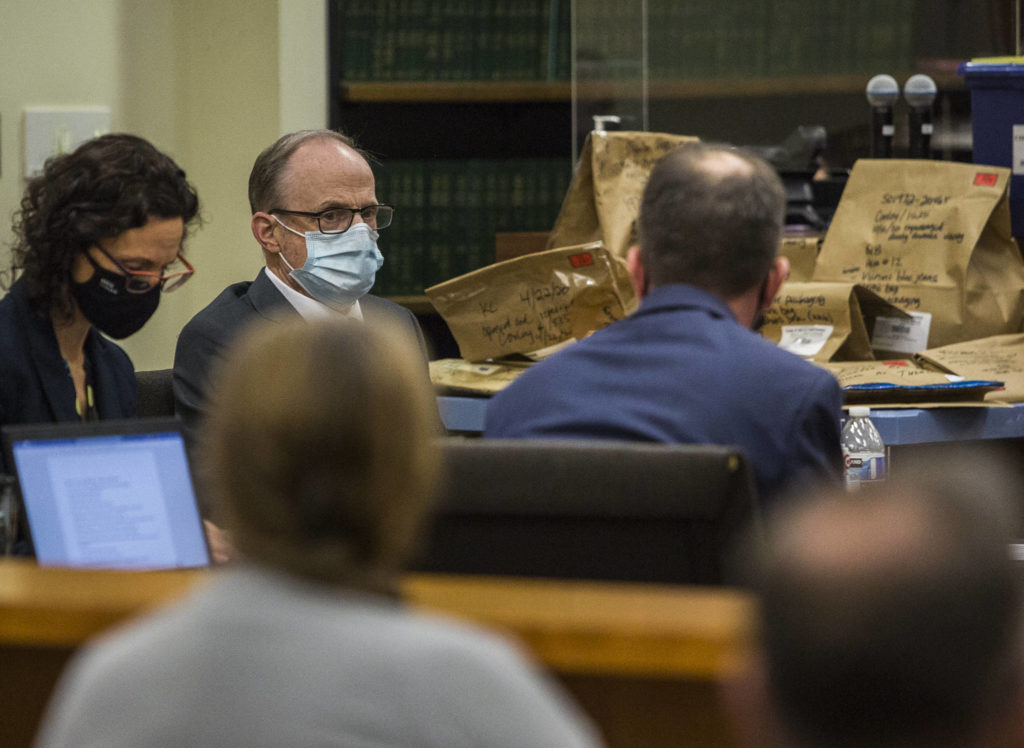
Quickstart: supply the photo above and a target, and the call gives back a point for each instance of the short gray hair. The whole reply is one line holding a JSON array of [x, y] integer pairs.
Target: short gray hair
[[265, 178], [719, 232]]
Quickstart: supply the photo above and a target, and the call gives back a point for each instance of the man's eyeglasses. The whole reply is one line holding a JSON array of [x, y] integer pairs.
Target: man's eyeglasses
[[140, 281], [339, 220]]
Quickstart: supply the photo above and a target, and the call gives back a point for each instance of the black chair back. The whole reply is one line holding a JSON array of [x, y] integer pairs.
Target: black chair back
[[156, 399], [589, 510]]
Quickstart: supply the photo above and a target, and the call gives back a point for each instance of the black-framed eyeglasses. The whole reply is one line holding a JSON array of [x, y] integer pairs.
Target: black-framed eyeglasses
[[140, 281], [339, 220]]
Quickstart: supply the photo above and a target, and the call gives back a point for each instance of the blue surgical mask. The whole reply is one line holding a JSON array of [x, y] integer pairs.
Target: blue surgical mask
[[339, 268]]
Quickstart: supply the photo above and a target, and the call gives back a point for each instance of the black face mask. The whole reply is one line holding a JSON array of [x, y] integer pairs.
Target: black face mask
[[108, 305]]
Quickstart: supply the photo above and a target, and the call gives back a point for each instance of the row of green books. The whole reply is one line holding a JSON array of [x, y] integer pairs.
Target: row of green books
[[744, 38], [438, 40], [448, 211], [504, 40]]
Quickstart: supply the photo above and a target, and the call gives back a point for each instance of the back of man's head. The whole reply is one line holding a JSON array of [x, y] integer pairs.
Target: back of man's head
[[710, 216], [892, 617]]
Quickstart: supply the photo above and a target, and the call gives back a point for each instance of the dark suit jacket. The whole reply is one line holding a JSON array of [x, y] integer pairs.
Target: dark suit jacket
[[681, 369], [34, 382], [208, 335]]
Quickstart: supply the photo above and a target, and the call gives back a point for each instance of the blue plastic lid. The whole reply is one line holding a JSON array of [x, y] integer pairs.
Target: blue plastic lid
[[990, 68]]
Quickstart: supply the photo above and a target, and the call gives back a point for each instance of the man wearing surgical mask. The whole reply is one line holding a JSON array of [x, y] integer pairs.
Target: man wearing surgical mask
[[316, 216]]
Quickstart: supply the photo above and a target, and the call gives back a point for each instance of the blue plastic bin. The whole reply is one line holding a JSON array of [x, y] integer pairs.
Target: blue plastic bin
[[997, 107]]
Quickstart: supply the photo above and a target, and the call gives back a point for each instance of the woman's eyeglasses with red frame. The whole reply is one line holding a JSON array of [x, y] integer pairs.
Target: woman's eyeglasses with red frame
[[139, 281]]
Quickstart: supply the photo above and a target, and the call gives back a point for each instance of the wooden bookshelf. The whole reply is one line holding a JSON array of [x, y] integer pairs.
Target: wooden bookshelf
[[487, 87], [526, 91], [454, 91]]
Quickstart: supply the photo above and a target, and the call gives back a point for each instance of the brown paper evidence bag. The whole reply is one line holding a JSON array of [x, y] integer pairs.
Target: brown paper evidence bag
[[532, 303], [929, 237], [826, 321], [998, 357], [925, 236], [933, 238], [603, 199], [828, 324]]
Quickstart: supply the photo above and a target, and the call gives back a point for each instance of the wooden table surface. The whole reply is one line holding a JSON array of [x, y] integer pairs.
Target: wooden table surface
[[571, 626], [643, 660]]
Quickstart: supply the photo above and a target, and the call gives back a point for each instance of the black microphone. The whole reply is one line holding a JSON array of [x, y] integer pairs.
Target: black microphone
[[920, 92], [882, 93]]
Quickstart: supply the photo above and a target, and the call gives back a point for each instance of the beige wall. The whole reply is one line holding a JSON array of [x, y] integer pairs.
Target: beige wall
[[38, 70], [211, 83]]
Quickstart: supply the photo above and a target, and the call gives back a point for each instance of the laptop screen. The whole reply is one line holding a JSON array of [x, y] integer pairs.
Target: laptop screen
[[112, 494]]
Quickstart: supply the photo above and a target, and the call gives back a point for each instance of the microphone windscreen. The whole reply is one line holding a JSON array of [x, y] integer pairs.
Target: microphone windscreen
[[883, 90], [920, 90]]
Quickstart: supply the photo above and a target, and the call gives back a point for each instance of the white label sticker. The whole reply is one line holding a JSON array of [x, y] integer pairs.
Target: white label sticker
[[1018, 149], [863, 467], [901, 334], [805, 340]]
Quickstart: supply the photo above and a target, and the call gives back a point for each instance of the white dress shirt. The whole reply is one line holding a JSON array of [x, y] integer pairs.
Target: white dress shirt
[[309, 307]]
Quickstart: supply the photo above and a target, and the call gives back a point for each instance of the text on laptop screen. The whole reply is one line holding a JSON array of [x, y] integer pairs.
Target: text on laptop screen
[[116, 501]]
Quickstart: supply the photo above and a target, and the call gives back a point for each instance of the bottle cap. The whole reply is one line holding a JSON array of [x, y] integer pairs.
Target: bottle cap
[[859, 411]]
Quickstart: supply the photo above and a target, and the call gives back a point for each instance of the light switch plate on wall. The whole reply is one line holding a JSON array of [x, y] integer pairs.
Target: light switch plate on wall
[[50, 131]]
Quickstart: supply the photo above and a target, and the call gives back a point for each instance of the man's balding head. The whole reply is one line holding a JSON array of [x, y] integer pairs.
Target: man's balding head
[[270, 170], [294, 180], [711, 216]]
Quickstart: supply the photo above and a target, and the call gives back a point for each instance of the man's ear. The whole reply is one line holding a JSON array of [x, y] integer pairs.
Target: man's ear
[[637, 276], [263, 225], [776, 277]]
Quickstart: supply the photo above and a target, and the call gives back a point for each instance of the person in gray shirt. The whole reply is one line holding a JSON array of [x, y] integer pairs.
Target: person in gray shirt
[[305, 641]]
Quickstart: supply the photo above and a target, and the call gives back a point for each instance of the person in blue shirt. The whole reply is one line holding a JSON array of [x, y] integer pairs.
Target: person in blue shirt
[[687, 366]]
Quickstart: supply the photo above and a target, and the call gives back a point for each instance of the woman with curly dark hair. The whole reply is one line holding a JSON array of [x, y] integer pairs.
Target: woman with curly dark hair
[[98, 238]]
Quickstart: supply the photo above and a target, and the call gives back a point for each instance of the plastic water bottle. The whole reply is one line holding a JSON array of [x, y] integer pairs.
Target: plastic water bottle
[[863, 450]]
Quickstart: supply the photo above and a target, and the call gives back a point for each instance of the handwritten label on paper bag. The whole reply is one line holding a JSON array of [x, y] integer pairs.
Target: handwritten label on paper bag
[[533, 302], [930, 236], [900, 372], [999, 357], [838, 315]]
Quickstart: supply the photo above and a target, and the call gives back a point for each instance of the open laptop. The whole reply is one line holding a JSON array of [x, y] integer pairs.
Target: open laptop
[[107, 494]]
